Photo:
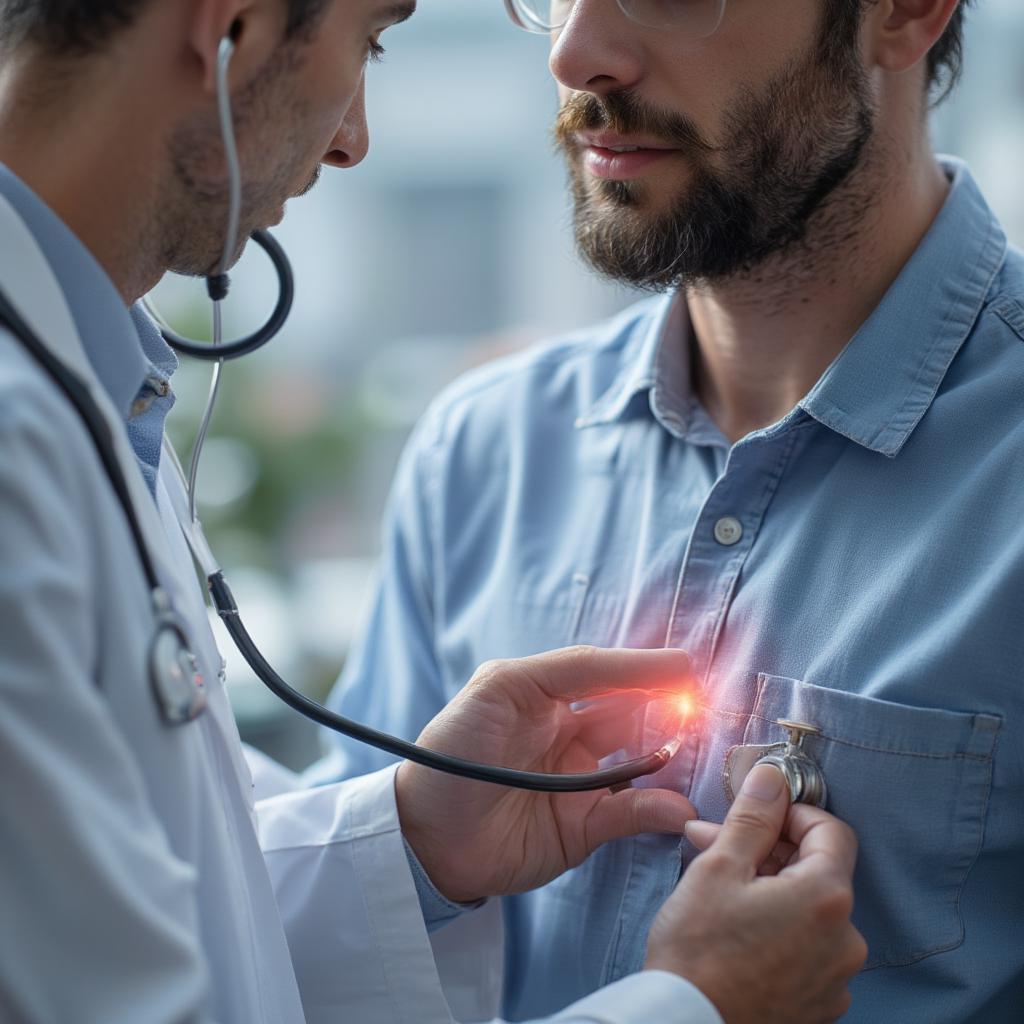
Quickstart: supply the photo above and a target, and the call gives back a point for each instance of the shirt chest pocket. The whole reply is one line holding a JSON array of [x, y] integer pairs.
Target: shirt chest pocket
[[914, 784]]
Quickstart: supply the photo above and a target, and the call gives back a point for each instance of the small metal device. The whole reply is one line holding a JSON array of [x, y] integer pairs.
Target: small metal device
[[803, 775]]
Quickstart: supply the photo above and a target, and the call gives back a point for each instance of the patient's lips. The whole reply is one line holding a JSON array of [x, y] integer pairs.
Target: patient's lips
[[620, 157]]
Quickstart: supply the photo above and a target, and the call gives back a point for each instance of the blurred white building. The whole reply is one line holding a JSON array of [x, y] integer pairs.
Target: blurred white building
[[451, 243]]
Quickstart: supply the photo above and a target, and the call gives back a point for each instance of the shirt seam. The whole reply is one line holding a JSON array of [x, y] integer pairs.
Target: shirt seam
[[435, 546], [1005, 309], [954, 756], [560, 353]]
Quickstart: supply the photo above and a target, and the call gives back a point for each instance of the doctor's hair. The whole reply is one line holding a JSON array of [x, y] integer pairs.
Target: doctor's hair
[[945, 59], [78, 28]]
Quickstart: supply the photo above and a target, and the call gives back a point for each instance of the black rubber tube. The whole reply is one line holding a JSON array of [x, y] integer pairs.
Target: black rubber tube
[[615, 777], [218, 286]]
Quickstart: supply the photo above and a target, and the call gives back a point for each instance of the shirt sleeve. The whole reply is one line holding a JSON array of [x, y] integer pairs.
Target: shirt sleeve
[[437, 909], [272, 779], [99, 916], [392, 678], [360, 947], [640, 999], [345, 891]]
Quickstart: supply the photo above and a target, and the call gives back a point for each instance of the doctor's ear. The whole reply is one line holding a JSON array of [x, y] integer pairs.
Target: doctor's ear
[[255, 27], [901, 32]]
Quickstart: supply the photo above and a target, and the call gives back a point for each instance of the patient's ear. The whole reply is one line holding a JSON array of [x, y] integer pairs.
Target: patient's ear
[[899, 33]]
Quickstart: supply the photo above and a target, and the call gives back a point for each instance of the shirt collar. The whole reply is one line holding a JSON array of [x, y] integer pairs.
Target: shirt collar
[[160, 357], [883, 382], [656, 362], [656, 338], [104, 325]]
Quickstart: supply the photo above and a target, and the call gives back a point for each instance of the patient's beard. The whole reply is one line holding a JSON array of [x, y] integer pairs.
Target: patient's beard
[[787, 151]]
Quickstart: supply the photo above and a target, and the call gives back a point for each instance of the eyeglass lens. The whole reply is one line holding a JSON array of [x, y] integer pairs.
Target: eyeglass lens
[[698, 18]]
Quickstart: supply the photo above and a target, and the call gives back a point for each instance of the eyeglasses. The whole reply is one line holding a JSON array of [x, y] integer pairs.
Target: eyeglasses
[[697, 18]]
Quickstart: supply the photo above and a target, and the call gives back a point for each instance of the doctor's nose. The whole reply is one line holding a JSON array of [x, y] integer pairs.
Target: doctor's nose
[[597, 50], [349, 147]]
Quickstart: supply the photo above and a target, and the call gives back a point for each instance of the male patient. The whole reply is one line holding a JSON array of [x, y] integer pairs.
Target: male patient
[[802, 461]]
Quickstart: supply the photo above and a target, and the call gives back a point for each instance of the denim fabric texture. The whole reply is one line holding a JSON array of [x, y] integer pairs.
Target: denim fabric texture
[[868, 578]]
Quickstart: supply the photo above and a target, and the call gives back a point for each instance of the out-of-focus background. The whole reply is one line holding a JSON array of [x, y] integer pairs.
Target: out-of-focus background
[[449, 245]]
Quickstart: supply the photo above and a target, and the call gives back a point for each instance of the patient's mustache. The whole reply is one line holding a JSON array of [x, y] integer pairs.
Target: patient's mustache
[[621, 112]]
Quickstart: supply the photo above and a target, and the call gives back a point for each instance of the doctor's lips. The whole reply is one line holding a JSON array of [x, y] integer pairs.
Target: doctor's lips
[[616, 157]]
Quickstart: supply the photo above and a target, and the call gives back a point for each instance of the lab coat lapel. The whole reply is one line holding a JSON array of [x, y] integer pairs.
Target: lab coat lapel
[[32, 288]]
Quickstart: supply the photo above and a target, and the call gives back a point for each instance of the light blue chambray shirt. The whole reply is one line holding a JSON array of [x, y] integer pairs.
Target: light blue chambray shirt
[[875, 588]]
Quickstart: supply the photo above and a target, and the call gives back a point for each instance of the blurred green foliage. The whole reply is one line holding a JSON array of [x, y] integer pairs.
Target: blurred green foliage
[[302, 434]]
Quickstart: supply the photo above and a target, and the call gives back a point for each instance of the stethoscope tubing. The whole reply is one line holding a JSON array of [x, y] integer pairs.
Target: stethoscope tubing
[[250, 343], [615, 777], [96, 426]]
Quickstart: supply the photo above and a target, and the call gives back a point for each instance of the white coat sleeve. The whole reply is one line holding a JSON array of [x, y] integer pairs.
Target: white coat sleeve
[[356, 933], [99, 916]]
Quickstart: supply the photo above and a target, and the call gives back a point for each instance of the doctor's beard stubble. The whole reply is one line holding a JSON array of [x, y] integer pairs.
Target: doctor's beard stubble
[[279, 161], [737, 203]]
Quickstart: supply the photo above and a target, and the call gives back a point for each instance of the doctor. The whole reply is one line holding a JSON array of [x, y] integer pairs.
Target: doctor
[[139, 883]]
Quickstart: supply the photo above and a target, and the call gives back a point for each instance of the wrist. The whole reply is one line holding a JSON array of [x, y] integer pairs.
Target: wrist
[[431, 850]]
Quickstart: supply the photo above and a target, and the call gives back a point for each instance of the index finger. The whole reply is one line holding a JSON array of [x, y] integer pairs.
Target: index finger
[[574, 673], [822, 841]]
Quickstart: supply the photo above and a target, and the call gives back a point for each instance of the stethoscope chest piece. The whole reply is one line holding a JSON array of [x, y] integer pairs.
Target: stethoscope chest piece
[[174, 672], [802, 773]]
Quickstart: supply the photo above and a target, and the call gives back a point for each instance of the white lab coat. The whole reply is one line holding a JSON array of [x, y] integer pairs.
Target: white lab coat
[[139, 881]]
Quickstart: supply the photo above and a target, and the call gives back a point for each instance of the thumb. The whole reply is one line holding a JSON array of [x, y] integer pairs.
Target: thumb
[[755, 821], [634, 811]]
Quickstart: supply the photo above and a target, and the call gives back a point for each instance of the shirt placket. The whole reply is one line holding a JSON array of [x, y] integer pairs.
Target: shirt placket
[[723, 536], [721, 540], [720, 543]]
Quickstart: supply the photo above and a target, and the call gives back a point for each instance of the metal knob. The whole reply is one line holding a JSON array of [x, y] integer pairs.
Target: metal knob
[[803, 776]]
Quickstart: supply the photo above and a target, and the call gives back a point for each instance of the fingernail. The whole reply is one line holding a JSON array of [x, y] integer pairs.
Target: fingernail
[[764, 783], [700, 833]]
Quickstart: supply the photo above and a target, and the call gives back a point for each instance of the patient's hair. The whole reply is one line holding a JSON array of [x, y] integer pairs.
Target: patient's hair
[[76, 28], [945, 59]]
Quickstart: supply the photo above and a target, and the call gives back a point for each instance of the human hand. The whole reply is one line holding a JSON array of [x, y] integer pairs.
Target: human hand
[[766, 941], [477, 839], [702, 835]]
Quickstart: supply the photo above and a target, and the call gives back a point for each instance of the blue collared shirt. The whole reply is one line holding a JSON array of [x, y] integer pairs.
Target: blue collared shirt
[[858, 565], [130, 358]]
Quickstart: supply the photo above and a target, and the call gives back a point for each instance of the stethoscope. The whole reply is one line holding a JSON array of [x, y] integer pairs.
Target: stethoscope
[[178, 688]]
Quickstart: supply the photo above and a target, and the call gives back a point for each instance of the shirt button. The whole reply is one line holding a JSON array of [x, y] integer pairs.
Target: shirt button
[[728, 530]]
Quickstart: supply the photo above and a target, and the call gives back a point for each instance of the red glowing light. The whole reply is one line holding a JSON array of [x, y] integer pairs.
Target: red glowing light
[[686, 706]]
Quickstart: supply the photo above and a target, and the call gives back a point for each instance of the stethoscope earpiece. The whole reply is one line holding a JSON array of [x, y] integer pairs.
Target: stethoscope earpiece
[[218, 284]]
